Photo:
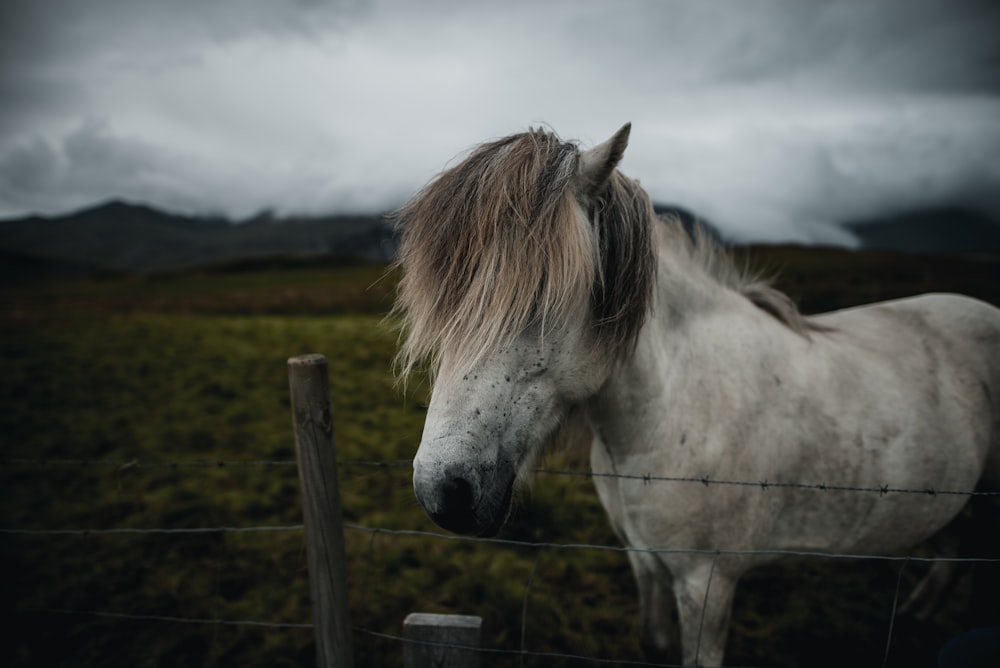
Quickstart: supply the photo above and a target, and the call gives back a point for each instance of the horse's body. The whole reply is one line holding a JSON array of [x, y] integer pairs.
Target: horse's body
[[538, 280], [896, 394]]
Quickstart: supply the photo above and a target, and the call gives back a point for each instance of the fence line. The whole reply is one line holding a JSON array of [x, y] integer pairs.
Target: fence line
[[540, 547], [166, 618], [153, 530], [507, 542], [320, 628], [510, 652], [193, 463], [763, 485], [375, 634], [136, 464], [524, 652], [660, 550]]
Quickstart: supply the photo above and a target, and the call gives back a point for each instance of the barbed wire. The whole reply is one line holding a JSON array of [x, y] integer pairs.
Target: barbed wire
[[508, 542], [662, 550], [153, 530], [193, 463], [136, 464], [355, 629], [166, 618], [534, 545], [539, 546], [512, 652], [764, 485], [881, 490]]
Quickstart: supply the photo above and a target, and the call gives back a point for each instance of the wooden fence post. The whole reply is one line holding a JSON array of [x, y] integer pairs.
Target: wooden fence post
[[312, 420], [441, 641]]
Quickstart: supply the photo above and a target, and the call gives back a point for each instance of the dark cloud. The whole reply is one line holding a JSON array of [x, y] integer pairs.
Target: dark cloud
[[47, 47], [39, 175], [75, 26], [926, 45], [777, 118]]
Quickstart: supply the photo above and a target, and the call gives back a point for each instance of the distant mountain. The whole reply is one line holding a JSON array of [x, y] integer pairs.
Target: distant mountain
[[124, 237], [940, 230], [943, 230], [120, 236]]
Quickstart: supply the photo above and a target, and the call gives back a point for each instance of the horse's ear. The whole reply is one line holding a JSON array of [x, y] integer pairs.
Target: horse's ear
[[597, 163]]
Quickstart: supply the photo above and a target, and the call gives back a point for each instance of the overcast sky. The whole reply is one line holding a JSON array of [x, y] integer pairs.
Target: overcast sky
[[775, 119]]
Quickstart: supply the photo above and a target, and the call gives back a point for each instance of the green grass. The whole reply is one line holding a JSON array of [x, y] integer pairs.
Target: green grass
[[192, 367], [152, 388], [168, 370]]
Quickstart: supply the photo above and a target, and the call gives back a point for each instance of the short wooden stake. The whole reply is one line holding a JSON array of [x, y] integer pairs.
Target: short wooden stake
[[442, 641], [312, 419]]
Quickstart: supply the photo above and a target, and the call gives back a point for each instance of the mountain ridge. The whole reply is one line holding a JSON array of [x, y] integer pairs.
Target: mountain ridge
[[120, 236]]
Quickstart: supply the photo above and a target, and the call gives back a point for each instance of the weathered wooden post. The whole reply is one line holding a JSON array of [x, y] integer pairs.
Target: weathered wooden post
[[312, 420], [442, 641]]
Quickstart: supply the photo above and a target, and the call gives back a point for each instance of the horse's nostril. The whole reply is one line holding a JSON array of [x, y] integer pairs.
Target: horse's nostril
[[457, 494], [455, 510]]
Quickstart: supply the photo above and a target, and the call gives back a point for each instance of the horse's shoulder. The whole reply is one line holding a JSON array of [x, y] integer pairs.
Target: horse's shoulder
[[933, 310]]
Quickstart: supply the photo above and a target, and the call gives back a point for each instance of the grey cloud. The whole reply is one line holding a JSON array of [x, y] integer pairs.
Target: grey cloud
[[89, 164], [75, 25], [942, 45], [776, 180], [47, 47], [760, 114], [94, 162]]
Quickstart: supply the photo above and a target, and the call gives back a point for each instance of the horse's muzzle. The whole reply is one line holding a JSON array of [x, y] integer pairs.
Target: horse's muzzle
[[463, 501]]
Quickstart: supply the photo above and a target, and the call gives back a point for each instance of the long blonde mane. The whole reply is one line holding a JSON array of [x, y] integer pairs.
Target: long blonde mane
[[500, 242]]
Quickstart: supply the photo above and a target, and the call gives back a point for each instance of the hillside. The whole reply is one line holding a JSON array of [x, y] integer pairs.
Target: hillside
[[941, 230], [119, 236]]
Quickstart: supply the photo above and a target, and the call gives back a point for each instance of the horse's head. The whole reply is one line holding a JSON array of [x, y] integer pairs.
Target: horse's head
[[527, 273]]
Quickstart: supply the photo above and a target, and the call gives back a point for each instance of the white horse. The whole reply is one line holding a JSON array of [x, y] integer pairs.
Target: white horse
[[538, 280]]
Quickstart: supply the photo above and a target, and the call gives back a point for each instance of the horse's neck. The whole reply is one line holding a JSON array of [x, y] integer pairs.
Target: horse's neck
[[685, 293], [655, 395]]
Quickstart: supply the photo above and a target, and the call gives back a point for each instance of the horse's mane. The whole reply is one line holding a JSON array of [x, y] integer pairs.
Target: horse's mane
[[495, 245], [719, 263]]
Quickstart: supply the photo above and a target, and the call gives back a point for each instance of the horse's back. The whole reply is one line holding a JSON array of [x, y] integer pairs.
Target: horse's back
[[959, 315], [942, 336], [954, 328]]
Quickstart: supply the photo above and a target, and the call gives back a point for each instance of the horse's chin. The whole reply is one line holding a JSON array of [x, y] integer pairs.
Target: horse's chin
[[501, 516]]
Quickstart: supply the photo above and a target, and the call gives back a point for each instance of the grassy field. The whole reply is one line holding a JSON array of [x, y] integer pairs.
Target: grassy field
[[134, 374]]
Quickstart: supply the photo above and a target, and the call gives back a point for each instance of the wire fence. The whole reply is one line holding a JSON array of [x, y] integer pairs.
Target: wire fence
[[534, 545], [880, 491]]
